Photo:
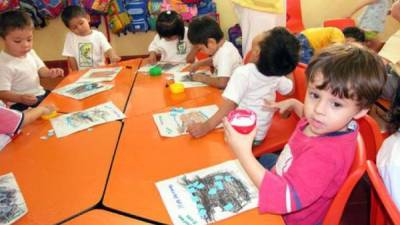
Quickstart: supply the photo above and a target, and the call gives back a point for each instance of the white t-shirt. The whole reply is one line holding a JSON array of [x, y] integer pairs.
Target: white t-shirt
[[248, 88], [88, 51], [20, 75], [171, 51], [226, 60], [388, 163]]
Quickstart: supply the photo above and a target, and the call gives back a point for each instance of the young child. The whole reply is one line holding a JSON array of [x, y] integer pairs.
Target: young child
[[205, 34], [275, 55], [12, 121], [354, 34], [84, 47], [388, 159], [312, 40], [20, 66], [343, 82], [171, 40]]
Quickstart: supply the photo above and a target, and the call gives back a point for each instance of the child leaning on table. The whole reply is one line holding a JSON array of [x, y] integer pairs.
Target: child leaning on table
[[84, 47], [343, 82], [20, 66]]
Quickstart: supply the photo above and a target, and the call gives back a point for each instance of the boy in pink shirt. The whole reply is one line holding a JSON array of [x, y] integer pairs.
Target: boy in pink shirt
[[343, 82]]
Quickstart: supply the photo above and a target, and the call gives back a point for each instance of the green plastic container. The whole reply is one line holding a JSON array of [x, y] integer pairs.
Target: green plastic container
[[155, 71]]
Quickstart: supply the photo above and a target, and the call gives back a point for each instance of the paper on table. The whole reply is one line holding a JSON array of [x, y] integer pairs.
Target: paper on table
[[184, 78], [166, 67], [82, 90], [100, 74], [12, 203]]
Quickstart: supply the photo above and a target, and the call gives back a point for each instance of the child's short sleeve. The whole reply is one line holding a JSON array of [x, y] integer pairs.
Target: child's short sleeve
[[68, 46], [154, 45], [10, 121], [237, 86], [5, 78], [39, 63], [226, 60], [105, 45], [285, 86]]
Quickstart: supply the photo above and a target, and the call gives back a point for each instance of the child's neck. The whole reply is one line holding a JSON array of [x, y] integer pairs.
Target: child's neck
[[89, 33], [13, 55]]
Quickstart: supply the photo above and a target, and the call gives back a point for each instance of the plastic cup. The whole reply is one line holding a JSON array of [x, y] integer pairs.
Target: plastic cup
[[177, 88], [242, 120], [50, 116], [155, 71]]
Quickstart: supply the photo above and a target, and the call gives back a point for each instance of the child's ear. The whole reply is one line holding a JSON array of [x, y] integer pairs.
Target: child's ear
[[360, 114], [87, 17], [211, 42]]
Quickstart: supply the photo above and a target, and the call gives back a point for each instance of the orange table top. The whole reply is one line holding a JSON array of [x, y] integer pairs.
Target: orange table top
[[144, 157], [102, 217], [60, 177], [119, 94]]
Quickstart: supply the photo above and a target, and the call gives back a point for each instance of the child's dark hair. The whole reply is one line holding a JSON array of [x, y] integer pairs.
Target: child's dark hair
[[279, 52], [11, 20], [170, 23], [203, 28], [349, 71], [394, 114], [354, 32], [71, 12]]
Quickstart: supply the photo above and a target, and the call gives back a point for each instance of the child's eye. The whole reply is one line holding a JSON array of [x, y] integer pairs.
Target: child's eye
[[337, 104], [313, 95]]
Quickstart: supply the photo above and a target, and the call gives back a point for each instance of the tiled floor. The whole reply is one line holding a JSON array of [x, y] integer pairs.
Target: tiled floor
[[357, 208]]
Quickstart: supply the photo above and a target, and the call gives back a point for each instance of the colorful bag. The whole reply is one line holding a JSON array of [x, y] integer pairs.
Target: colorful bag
[[206, 7], [49, 8], [98, 6], [191, 1], [187, 12], [138, 11], [235, 36], [6, 5], [37, 18], [118, 17]]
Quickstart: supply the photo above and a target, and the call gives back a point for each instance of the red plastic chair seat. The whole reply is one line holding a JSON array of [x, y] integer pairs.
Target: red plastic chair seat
[[340, 23]]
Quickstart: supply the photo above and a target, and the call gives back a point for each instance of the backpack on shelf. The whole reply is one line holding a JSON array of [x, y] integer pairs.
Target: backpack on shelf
[[138, 11], [6, 5], [186, 11], [206, 7], [154, 9], [49, 8], [38, 19], [97, 6], [235, 36], [119, 18]]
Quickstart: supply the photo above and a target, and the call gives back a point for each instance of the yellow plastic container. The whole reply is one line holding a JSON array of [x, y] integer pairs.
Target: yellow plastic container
[[50, 116], [177, 88]]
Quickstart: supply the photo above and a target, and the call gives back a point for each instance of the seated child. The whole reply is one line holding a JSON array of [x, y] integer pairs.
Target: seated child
[[312, 40], [20, 66], [84, 47], [206, 35], [12, 121], [171, 40], [343, 82], [388, 159], [275, 55]]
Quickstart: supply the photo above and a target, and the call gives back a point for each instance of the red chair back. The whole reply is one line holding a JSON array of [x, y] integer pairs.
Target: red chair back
[[356, 172], [340, 23], [380, 192], [294, 19], [371, 133]]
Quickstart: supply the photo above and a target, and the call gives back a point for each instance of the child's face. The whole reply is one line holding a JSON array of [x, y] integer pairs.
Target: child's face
[[210, 49], [255, 47], [80, 25], [327, 113], [18, 42]]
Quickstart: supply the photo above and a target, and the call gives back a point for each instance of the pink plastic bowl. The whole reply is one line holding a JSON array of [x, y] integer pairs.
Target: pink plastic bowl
[[243, 120]]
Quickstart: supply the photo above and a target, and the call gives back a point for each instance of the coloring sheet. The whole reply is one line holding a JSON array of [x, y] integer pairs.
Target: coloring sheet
[[100, 74], [82, 90], [70, 123], [185, 78], [166, 67], [12, 204], [174, 123], [208, 195]]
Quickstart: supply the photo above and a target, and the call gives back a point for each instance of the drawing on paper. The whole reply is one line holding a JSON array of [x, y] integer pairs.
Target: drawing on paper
[[175, 122], [82, 90], [73, 122], [208, 195], [186, 78], [100, 74], [12, 204], [166, 67]]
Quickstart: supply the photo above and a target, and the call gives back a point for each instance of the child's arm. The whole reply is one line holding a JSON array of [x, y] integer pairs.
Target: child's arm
[[51, 73], [191, 57], [10, 96], [218, 82], [286, 106], [112, 55], [242, 147], [202, 63], [152, 59], [32, 114], [362, 4], [200, 129], [72, 65]]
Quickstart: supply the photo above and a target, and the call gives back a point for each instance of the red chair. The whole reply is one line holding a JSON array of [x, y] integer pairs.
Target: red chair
[[340, 23], [383, 104], [356, 172], [380, 192], [294, 19], [371, 133]]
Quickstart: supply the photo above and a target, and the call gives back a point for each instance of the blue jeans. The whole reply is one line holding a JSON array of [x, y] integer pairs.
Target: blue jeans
[[21, 107], [268, 160], [306, 51]]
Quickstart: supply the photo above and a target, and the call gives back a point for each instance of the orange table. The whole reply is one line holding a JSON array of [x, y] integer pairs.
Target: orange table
[[102, 217], [60, 177], [119, 94], [143, 158]]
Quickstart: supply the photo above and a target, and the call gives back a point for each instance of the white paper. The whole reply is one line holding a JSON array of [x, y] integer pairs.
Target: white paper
[[12, 203], [208, 195], [174, 123], [184, 78], [390, 50], [70, 123], [100, 74], [82, 90], [166, 67]]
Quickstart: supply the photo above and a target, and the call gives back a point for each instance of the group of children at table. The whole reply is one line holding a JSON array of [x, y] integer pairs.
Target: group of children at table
[[344, 81]]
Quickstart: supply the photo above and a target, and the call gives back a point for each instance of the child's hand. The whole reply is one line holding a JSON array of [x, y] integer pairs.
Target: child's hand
[[55, 72], [193, 67], [199, 77], [238, 142], [27, 99], [115, 58], [47, 109], [198, 129], [152, 59], [284, 107]]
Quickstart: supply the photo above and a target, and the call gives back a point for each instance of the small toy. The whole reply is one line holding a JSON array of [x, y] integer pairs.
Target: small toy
[[50, 115], [177, 88], [243, 120], [155, 71]]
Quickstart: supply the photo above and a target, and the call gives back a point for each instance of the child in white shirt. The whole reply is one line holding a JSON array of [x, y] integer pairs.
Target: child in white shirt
[[84, 47], [274, 55], [20, 66], [171, 41], [206, 35]]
